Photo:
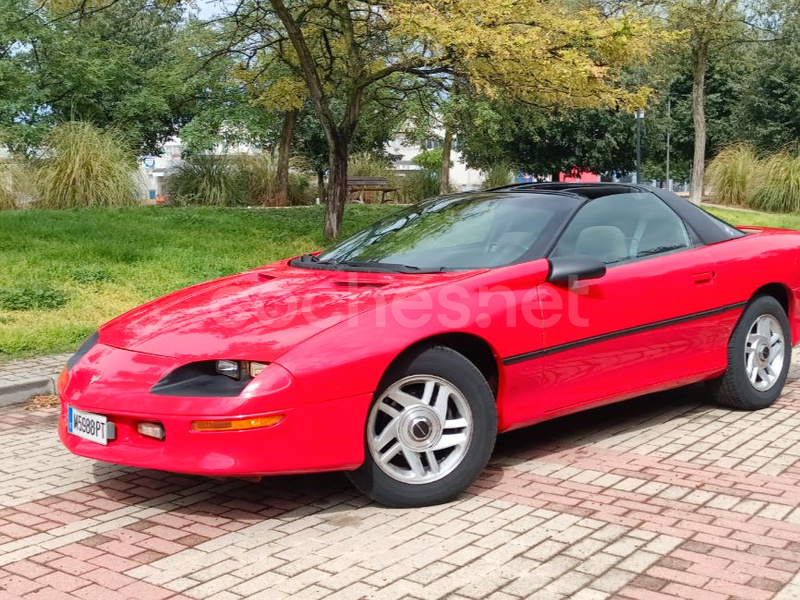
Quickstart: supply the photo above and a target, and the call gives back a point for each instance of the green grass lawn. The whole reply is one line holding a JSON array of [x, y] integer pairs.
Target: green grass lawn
[[66, 272], [742, 217]]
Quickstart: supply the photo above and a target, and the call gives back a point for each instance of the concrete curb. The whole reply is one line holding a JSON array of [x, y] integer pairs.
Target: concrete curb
[[20, 391]]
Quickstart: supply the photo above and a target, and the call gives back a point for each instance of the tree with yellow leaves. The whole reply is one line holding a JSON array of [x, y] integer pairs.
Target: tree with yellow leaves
[[543, 51]]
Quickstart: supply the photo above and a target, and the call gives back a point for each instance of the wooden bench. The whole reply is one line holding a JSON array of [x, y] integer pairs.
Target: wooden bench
[[356, 186]]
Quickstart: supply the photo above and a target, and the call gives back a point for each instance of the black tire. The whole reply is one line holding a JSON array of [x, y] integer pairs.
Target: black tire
[[734, 389], [459, 373]]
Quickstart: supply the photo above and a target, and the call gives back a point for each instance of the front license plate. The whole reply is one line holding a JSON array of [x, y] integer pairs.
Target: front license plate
[[88, 426]]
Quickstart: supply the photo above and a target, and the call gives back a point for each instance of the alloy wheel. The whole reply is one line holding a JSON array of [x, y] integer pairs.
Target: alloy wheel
[[764, 352], [420, 429]]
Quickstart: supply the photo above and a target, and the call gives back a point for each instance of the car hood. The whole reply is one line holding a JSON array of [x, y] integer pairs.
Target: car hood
[[257, 315]]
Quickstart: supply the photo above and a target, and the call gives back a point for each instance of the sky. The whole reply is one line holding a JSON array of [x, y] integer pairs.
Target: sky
[[208, 9]]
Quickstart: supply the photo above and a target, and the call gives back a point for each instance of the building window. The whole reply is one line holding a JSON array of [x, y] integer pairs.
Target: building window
[[432, 144]]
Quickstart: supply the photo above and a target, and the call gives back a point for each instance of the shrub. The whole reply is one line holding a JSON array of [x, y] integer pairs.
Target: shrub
[[32, 296], [224, 180], [210, 180], [260, 173], [17, 187], [7, 201], [367, 164], [85, 166], [777, 188], [731, 175], [497, 175], [419, 185], [431, 160], [7, 196]]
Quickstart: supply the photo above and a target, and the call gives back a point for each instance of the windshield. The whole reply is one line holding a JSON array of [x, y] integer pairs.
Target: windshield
[[472, 231]]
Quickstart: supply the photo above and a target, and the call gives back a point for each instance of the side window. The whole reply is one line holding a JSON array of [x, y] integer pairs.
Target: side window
[[623, 227]]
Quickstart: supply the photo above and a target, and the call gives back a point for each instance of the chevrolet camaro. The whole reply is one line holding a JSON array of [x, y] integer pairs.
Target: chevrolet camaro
[[399, 354]]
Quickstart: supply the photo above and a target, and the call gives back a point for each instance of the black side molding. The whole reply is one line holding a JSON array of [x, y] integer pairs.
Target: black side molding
[[518, 358]]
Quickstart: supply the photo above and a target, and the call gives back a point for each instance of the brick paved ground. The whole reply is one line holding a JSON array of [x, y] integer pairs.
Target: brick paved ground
[[660, 497]]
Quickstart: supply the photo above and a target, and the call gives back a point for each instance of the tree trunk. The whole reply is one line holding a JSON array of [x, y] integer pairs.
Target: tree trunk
[[337, 189], [284, 154], [699, 66], [444, 186]]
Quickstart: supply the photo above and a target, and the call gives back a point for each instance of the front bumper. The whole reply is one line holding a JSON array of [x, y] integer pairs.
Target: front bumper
[[313, 436], [321, 437]]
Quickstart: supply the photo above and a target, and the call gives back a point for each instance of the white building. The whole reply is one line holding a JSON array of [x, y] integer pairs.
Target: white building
[[462, 178]]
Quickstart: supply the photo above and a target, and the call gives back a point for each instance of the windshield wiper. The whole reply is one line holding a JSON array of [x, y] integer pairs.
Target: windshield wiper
[[385, 267], [311, 261]]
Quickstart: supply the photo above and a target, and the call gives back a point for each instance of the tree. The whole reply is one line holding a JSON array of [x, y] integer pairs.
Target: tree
[[343, 49], [770, 108], [125, 64], [713, 27], [535, 140]]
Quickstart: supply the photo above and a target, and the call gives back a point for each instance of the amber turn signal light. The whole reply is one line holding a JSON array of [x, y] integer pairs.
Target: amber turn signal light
[[63, 379], [237, 424]]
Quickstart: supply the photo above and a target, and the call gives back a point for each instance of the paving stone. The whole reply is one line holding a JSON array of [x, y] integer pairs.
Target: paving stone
[[659, 497]]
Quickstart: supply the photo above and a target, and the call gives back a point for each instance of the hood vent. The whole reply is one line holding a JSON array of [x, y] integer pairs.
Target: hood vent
[[359, 284]]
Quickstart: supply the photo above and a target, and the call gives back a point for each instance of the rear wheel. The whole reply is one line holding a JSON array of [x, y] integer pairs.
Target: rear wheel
[[430, 431], [759, 353]]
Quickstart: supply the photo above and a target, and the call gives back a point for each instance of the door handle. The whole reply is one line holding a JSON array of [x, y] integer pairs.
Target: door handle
[[705, 277]]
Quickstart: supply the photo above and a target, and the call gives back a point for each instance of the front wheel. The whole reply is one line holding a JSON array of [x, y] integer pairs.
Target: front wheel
[[430, 431], [759, 353]]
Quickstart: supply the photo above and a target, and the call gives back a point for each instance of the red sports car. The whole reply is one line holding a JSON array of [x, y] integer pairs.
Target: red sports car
[[399, 354]]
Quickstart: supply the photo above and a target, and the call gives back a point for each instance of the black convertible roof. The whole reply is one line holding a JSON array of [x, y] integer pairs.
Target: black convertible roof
[[587, 190], [708, 228]]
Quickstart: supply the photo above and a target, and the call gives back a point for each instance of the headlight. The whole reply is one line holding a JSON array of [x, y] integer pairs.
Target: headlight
[[82, 350], [238, 369], [209, 378], [229, 368]]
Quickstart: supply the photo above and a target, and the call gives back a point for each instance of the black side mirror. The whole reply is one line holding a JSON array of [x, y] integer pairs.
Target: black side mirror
[[564, 269]]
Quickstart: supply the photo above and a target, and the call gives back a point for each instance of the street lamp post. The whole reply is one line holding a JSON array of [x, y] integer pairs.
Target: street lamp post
[[639, 118], [669, 131]]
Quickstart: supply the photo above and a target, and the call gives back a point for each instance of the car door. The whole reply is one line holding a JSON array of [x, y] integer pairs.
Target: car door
[[649, 322]]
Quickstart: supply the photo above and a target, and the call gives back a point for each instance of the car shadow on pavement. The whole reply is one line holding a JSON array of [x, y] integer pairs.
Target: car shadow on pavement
[[593, 425], [236, 503]]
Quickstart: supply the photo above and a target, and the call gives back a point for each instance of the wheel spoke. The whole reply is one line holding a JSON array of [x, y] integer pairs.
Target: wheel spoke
[[427, 393], [440, 403], [388, 434], [752, 340], [404, 399], [432, 462], [389, 410], [763, 328], [450, 440], [776, 355], [455, 424], [749, 365], [391, 453], [414, 462]]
